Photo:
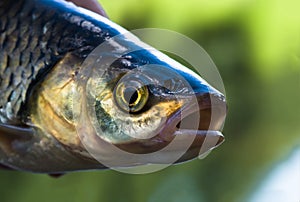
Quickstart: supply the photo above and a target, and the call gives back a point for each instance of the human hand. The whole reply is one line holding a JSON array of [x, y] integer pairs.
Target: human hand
[[92, 5]]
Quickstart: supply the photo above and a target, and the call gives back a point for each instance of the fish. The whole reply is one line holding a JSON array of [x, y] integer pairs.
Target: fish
[[79, 92]]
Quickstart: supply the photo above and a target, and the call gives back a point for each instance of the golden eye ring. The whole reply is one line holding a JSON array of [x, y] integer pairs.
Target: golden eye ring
[[131, 96]]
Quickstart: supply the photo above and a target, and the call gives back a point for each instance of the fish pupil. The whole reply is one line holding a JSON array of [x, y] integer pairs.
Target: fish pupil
[[130, 95]]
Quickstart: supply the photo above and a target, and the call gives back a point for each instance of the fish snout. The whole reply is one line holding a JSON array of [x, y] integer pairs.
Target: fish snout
[[199, 123]]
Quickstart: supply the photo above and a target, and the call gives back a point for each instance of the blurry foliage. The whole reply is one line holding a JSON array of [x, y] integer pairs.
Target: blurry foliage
[[256, 46]]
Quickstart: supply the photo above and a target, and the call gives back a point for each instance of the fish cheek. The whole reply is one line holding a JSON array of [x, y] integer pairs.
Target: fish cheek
[[118, 127]]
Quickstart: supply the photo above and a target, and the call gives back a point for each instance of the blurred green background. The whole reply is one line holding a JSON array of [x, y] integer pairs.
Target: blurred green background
[[256, 46]]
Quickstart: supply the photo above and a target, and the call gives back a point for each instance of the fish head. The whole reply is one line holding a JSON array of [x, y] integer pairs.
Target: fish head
[[130, 108]]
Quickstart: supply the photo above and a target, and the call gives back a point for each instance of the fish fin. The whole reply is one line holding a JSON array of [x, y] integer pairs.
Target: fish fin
[[9, 133], [16, 131]]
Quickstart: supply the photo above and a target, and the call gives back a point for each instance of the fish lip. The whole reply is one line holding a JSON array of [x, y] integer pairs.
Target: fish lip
[[210, 109], [204, 142]]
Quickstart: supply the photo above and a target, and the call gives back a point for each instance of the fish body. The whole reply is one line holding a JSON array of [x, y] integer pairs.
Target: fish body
[[64, 102]]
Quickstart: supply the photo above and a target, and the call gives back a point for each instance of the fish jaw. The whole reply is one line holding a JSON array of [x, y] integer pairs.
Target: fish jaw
[[206, 133]]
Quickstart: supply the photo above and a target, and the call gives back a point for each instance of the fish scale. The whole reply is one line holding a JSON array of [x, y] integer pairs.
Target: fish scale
[[31, 43]]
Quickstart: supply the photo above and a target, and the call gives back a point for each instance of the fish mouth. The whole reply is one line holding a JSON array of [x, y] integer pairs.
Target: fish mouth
[[200, 121], [192, 131]]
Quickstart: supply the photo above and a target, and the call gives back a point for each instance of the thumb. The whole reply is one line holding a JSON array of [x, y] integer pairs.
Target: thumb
[[92, 5]]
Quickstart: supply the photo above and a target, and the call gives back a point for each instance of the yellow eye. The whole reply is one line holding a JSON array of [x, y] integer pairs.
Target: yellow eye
[[131, 96]]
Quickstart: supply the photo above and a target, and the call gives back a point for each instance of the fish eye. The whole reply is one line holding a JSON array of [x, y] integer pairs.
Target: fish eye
[[131, 96]]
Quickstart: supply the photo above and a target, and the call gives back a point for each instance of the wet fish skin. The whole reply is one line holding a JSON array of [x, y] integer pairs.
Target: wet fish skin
[[43, 44], [28, 52]]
